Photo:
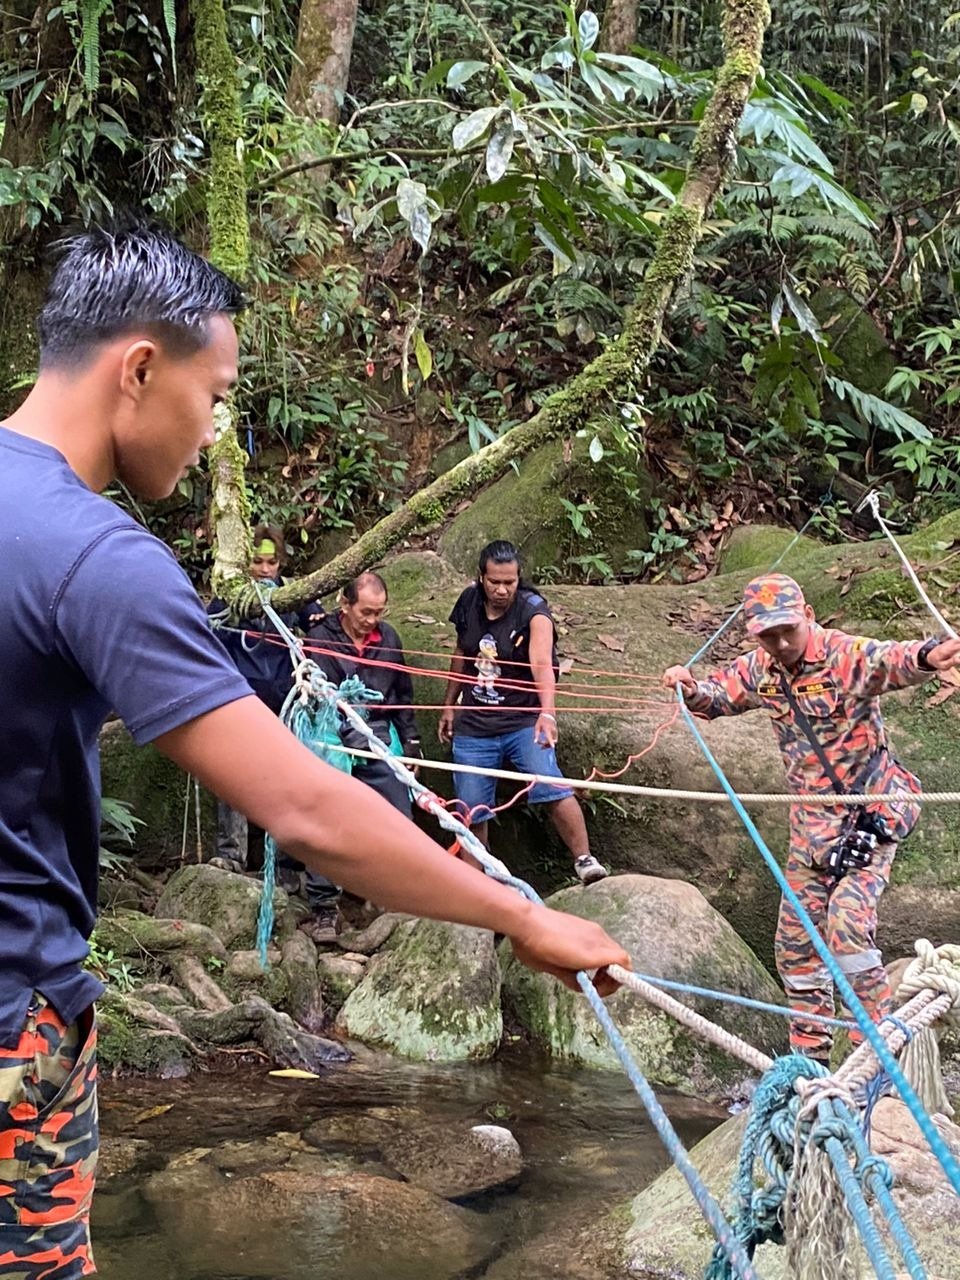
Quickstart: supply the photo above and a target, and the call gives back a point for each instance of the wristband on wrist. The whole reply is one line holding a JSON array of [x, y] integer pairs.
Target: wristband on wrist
[[547, 715], [923, 655]]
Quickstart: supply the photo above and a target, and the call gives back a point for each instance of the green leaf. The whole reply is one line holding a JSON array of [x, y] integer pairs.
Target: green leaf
[[499, 150], [830, 96], [646, 80], [461, 72], [588, 28], [32, 96], [879, 413], [800, 178], [769, 116], [410, 196], [549, 234], [802, 314], [474, 126], [423, 354]]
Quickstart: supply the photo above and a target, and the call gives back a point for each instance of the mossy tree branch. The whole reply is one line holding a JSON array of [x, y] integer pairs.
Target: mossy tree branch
[[617, 373]]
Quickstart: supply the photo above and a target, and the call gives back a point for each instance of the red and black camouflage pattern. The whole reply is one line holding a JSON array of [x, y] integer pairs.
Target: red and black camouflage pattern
[[837, 685], [48, 1147], [845, 915]]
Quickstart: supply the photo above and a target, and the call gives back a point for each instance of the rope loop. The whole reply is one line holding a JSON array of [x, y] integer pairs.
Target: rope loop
[[934, 969]]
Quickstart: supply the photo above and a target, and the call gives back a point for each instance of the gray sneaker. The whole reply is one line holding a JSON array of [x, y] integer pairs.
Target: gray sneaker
[[588, 869], [323, 925]]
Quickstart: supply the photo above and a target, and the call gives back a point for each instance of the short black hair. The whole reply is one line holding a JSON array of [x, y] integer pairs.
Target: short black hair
[[500, 552], [127, 274], [351, 592]]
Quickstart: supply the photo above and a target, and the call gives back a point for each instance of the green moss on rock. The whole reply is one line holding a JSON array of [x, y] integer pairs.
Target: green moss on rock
[[526, 507]]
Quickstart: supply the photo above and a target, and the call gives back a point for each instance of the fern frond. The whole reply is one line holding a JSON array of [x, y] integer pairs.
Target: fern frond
[[837, 228], [170, 23]]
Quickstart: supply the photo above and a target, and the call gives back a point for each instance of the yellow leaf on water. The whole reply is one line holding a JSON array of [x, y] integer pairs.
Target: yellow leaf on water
[[152, 1113], [294, 1073]]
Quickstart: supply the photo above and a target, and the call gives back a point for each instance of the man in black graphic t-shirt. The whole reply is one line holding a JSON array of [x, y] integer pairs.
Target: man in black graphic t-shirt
[[506, 642]]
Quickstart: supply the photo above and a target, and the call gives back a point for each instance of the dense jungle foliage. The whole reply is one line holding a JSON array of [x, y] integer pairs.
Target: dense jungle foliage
[[460, 223]]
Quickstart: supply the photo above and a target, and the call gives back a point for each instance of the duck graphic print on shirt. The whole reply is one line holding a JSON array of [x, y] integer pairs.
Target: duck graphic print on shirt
[[488, 671]]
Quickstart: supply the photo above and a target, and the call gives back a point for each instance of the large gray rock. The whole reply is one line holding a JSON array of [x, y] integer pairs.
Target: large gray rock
[[433, 996], [670, 931], [224, 901], [668, 1237]]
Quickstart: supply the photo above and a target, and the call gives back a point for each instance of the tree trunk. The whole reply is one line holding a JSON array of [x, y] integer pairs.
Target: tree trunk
[[618, 372], [229, 225], [321, 68], [618, 32]]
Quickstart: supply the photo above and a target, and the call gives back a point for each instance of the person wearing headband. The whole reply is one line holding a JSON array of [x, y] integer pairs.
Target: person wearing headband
[[265, 665]]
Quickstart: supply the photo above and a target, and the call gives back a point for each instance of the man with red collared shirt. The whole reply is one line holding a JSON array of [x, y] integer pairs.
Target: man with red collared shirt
[[832, 681], [356, 641]]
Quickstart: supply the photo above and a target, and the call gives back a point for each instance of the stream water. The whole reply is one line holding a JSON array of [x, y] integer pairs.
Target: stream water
[[586, 1142]]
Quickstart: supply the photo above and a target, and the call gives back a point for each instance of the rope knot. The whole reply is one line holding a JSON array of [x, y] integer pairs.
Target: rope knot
[[934, 969]]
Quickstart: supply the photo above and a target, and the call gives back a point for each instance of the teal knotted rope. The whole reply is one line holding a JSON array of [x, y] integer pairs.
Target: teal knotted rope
[[314, 721], [779, 1126]]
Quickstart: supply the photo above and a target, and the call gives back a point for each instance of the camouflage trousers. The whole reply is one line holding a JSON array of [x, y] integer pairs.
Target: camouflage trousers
[[48, 1147], [845, 915]]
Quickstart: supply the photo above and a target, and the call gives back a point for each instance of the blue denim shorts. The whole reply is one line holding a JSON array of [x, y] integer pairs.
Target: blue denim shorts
[[518, 750]]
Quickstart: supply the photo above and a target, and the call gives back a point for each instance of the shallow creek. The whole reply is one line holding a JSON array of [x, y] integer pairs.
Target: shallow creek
[[586, 1142]]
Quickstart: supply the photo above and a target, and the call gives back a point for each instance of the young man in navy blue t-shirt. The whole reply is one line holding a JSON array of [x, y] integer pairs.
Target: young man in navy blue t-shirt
[[505, 713], [137, 349]]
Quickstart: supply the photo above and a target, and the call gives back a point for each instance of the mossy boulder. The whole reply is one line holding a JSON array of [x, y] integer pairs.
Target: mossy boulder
[[155, 788], [672, 932], [227, 903], [433, 995], [868, 360], [527, 507]]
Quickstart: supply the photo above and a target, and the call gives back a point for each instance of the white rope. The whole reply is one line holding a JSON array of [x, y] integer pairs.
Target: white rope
[[826, 798], [695, 1021], [872, 500]]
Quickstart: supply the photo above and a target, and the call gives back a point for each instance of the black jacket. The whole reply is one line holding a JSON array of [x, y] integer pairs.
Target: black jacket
[[339, 658]]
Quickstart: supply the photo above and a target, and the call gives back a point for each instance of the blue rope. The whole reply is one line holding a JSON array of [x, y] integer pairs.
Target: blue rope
[[937, 1145], [770, 1137], [874, 1174], [323, 690], [730, 997], [759, 1211], [836, 1127]]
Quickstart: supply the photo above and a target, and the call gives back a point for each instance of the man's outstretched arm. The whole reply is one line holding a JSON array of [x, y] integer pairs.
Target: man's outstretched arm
[[342, 828]]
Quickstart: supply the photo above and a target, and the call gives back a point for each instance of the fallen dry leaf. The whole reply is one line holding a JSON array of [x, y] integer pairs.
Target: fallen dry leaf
[[949, 684], [566, 666], [611, 642], [294, 1073], [423, 618]]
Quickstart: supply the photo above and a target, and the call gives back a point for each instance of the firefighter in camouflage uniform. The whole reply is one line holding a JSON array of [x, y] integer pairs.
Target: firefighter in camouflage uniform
[[802, 672]]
